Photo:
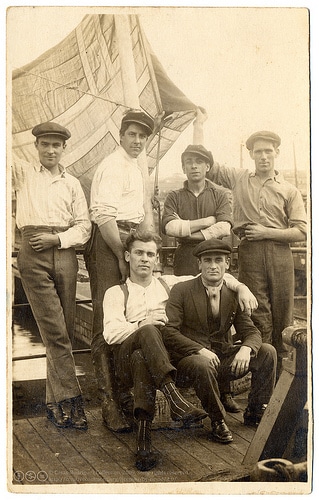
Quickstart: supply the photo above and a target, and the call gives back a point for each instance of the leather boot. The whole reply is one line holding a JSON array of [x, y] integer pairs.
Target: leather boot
[[73, 408], [57, 416], [112, 413], [145, 458], [180, 408]]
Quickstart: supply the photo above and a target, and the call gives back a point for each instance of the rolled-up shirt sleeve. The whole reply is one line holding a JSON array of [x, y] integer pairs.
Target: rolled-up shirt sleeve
[[80, 230]]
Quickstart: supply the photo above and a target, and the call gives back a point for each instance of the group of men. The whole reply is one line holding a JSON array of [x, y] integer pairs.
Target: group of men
[[150, 333]]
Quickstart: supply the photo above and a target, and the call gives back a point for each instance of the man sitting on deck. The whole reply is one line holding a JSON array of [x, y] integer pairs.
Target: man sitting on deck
[[201, 312], [134, 315]]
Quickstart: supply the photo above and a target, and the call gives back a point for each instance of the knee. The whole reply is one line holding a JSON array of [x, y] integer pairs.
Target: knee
[[203, 366], [268, 353], [149, 332]]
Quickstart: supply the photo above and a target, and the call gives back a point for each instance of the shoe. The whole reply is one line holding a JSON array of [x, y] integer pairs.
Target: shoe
[[229, 404], [253, 417], [57, 416], [145, 460], [220, 432]]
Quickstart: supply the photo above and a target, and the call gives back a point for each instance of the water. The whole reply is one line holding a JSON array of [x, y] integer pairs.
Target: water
[[26, 342]]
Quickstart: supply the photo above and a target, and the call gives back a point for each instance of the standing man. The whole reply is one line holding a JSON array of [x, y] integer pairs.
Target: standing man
[[116, 210], [134, 314], [201, 312], [269, 215], [198, 211], [52, 215]]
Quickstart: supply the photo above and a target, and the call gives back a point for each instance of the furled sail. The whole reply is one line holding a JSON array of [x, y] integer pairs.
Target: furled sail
[[78, 83]]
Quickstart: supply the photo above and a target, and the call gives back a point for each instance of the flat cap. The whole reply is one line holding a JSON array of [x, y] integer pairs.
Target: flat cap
[[51, 128], [199, 150], [264, 135], [212, 246], [141, 118]]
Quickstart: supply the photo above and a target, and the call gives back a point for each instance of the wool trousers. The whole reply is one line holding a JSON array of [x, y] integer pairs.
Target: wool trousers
[[49, 282]]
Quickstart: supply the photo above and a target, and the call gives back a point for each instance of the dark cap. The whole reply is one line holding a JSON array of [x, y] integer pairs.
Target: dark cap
[[199, 150], [264, 135], [212, 246], [141, 118], [51, 128]]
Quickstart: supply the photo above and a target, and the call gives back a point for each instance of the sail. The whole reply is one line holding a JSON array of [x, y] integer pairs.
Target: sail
[[77, 83]]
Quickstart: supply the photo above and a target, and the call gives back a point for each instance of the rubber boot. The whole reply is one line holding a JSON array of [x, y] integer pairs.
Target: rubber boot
[[112, 413]]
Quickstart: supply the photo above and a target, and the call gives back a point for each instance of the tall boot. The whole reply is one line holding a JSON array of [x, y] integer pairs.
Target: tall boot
[[145, 458], [180, 408], [112, 413]]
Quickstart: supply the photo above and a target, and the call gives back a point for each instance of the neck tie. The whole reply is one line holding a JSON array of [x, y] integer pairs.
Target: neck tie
[[213, 294]]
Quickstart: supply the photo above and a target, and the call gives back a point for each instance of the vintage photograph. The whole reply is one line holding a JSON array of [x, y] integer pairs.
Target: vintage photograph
[[159, 290]]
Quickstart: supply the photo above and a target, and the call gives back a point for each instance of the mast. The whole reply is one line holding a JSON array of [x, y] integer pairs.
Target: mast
[[131, 100], [295, 165]]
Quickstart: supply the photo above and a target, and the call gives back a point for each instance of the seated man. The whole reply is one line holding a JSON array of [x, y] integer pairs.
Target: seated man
[[197, 335], [134, 315]]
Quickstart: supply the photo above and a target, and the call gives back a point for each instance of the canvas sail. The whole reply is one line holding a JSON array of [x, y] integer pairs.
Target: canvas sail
[[78, 84]]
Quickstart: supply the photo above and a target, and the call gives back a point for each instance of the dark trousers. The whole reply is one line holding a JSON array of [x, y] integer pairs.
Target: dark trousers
[[267, 268], [103, 269], [197, 371], [142, 362], [185, 262], [49, 281]]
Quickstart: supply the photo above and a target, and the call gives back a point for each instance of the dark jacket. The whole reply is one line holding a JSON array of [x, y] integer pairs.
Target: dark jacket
[[188, 331]]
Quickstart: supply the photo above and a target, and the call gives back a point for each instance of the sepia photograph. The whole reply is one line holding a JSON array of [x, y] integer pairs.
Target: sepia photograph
[[158, 247]]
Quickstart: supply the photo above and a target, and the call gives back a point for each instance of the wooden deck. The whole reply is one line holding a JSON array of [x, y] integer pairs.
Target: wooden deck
[[44, 455]]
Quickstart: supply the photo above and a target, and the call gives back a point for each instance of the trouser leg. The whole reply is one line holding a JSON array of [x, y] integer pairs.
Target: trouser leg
[[38, 275], [102, 266], [263, 369], [148, 339], [281, 284], [143, 385], [253, 272], [198, 372]]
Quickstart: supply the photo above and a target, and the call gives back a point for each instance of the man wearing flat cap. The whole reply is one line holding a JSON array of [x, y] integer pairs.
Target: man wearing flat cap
[[198, 211], [269, 215], [198, 337], [53, 218], [116, 210]]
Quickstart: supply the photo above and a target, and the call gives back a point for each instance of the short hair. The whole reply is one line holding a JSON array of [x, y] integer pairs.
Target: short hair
[[126, 125], [144, 236]]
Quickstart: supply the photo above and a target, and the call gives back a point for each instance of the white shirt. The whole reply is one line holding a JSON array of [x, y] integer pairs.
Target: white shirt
[[117, 190], [141, 302], [44, 200]]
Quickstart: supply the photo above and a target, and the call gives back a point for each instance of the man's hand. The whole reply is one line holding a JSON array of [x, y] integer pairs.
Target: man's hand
[[43, 241], [256, 232], [214, 359], [155, 318], [240, 364], [247, 301], [201, 115]]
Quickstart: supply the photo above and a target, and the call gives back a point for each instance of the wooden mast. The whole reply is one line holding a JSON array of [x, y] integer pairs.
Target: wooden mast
[[131, 100]]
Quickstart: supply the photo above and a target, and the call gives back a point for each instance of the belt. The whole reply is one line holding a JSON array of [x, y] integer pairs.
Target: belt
[[44, 229], [125, 225]]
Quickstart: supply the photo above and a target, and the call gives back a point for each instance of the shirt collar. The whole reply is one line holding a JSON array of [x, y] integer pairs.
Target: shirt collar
[[127, 156], [40, 168], [215, 289], [208, 184], [277, 177]]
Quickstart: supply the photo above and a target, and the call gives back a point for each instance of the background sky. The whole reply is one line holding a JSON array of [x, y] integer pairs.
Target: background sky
[[247, 66]]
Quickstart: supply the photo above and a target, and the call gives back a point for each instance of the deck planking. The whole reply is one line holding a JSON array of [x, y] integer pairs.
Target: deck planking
[[70, 456]]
